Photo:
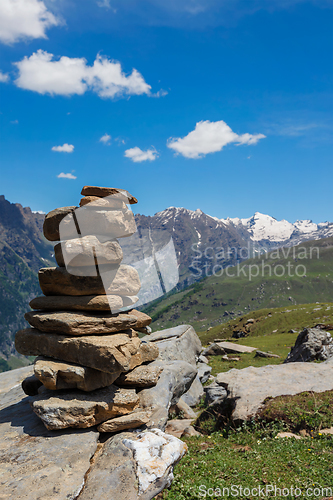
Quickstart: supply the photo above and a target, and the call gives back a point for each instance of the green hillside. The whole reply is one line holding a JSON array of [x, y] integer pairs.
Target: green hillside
[[286, 277]]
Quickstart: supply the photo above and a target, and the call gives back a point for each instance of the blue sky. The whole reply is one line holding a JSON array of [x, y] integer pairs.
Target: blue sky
[[229, 108]]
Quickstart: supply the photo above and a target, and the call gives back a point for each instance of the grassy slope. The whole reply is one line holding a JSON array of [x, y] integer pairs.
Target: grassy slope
[[251, 456], [252, 459], [215, 300]]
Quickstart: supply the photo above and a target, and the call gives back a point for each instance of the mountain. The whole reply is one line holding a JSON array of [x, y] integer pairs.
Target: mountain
[[202, 241], [23, 250], [268, 231], [203, 244], [283, 277]]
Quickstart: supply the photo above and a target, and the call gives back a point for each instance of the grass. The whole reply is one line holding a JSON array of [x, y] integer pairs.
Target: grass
[[309, 411], [251, 455], [250, 458], [279, 344], [268, 322], [217, 299]]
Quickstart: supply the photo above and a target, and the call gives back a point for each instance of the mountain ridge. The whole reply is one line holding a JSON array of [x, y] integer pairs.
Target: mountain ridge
[[196, 236]]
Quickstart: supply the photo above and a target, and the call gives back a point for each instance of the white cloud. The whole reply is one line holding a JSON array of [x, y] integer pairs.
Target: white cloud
[[209, 137], [4, 77], [160, 93], [105, 139], [14, 122], [68, 76], [65, 148], [21, 19], [66, 176], [137, 155]]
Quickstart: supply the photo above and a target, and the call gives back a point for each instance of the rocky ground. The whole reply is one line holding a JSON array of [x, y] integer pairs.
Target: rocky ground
[[88, 464]]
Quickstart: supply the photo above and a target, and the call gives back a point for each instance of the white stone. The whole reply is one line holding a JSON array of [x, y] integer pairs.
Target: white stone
[[154, 452]]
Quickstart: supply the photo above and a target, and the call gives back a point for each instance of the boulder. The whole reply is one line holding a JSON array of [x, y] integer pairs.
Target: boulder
[[213, 350], [62, 409], [82, 302], [249, 387], [108, 353], [52, 221], [36, 463], [55, 374], [214, 394], [178, 343], [183, 409], [30, 385], [129, 421], [178, 428], [203, 359], [312, 344], [175, 379], [133, 466], [110, 224], [204, 372], [122, 280], [106, 203], [193, 396], [113, 193], [79, 323], [83, 252], [141, 376]]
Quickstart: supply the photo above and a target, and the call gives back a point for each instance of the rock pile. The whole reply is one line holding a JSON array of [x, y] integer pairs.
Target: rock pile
[[91, 361]]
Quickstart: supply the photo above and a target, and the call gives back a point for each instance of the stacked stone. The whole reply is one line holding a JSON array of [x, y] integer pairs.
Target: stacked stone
[[91, 362]]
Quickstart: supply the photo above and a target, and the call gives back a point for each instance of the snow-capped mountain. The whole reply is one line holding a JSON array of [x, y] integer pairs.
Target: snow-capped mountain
[[202, 241], [264, 228]]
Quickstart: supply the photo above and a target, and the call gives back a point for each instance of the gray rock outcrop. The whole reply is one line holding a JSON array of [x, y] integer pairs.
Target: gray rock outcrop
[[312, 344], [249, 387]]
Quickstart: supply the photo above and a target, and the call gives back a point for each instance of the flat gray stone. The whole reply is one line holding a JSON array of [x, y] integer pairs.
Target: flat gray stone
[[213, 349], [175, 379], [178, 428], [141, 376], [130, 421], [111, 193], [83, 251], [119, 352], [119, 280], [36, 463], [63, 409], [79, 323], [236, 348], [179, 343], [55, 374], [193, 396], [82, 302], [250, 386], [204, 372], [214, 393]]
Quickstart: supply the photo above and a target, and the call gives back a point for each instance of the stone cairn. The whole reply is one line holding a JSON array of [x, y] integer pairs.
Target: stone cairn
[[91, 362]]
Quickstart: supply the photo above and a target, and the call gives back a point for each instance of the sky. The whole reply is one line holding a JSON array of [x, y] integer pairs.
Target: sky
[[222, 105]]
